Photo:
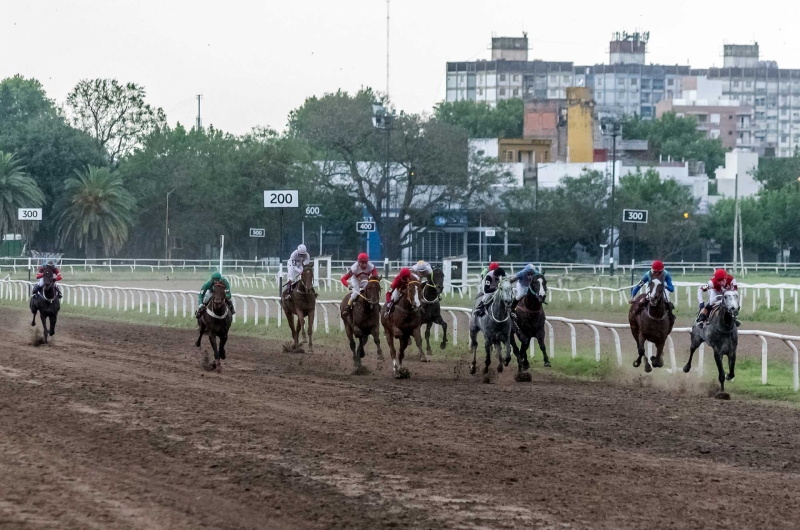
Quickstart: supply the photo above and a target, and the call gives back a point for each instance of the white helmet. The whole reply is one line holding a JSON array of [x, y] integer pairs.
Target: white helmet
[[301, 249]]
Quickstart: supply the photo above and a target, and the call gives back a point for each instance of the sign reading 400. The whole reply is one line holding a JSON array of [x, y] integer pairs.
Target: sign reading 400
[[281, 199]]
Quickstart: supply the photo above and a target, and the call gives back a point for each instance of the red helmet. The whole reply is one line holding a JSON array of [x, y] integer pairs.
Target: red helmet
[[363, 257], [720, 274], [657, 265], [494, 266], [405, 272]]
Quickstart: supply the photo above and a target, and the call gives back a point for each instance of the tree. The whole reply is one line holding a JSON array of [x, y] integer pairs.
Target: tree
[[676, 137], [777, 173], [481, 120], [757, 231], [431, 167], [114, 114], [97, 211], [668, 232], [17, 190]]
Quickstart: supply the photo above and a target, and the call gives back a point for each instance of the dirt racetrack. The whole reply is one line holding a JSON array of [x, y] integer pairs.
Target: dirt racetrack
[[118, 426]]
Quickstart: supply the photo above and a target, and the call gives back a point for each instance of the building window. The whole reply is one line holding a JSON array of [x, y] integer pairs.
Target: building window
[[646, 84], [736, 84], [565, 79], [599, 81], [516, 92], [502, 77], [748, 84], [670, 82], [502, 91], [509, 156], [715, 119], [516, 78], [553, 79], [669, 94], [480, 91], [658, 84], [730, 133]]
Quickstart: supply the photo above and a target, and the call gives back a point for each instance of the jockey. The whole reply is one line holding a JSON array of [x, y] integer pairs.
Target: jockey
[[358, 275], [523, 280], [422, 269], [294, 267], [716, 287], [656, 267], [49, 264], [206, 292], [396, 289], [490, 282]]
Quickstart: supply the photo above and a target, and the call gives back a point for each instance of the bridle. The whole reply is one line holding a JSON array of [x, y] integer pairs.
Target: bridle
[[367, 300], [491, 307], [306, 289], [213, 303]]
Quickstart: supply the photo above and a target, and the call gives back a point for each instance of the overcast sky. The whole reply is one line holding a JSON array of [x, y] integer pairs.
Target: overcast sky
[[255, 60]]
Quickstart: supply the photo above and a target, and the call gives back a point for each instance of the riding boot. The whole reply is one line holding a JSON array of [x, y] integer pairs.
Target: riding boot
[[288, 290], [701, 318], [737, 322], [479, 309], [389, 305], [230, 306], [348, 307], [200, 310], [36, 290]]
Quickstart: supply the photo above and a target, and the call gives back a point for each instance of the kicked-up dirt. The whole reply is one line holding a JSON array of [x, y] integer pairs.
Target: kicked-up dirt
[[119, 426]]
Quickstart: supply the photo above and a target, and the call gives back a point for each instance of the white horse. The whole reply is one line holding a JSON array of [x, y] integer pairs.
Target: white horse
[[495, 325]]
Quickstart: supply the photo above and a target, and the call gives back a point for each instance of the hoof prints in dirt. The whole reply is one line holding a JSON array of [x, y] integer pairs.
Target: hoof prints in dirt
[[402, 373], [723, 395], [361, 370], [289, 348], [37, 339]]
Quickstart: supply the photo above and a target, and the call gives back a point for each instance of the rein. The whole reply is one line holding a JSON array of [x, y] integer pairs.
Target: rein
[[491, 308], [425, 286]]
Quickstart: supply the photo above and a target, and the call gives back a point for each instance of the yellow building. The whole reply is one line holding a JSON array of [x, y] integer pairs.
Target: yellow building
[[580, 109]]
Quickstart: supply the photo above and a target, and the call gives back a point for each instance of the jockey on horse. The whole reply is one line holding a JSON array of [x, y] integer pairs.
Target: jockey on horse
[[49, 264], [490, 282], [358, 275], [716, 287], [399, 284], [523, 280], [206, 291], [656, 269], [294, 267]]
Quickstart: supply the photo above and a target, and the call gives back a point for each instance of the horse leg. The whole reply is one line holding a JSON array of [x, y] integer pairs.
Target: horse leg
[[418, 340], [295, 329], [362, 341], [731, 364], [33, 310], [488, 348], [212, 338], [348, 329], [428, 337], [540, 340], [639, 350], [696, 341], [473, 346], [517, 352], [223, 338], [392, 351], [658, 361], [202, 328], [404, 340], [720, 370], [43, 319], [439, 320], [507, 344], [53, 319], [640, 343], [311, 331]]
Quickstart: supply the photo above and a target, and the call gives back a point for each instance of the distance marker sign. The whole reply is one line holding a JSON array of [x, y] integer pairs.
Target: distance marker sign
[[281, 199], [258, 232], [365, 226], [29, 214], [634, 216]]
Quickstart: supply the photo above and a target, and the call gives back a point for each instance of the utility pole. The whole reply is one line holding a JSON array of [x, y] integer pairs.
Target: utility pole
[[167, 253], [612, 126], [735, 220], [199, 121], [387, 49]]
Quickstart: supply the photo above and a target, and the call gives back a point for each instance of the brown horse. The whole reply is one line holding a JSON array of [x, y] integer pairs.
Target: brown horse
[[403, 323], [302, 304], [363, 320], [530, 322], [651, 323], [216, 321], [431, 310]]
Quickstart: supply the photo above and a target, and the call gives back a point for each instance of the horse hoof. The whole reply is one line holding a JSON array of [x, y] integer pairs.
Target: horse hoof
[[443, 346], [424, 359], [500, 368], [472, 370], [523, 377], [729, 377], [360, 370], [506, 361], [723, 395], [637, 363], [380, 356], [658, 363], [402, 373], [648, 368], [686, 369], [547, 364]]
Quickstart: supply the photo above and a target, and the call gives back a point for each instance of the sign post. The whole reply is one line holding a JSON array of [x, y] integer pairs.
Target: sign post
[[637, 217], [281, 199], [312, 210], [29, 214]]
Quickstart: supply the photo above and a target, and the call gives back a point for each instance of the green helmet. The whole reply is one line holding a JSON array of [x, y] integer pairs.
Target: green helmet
[[216, 276]]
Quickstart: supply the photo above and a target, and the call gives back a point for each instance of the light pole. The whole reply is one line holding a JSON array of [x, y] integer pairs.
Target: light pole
[[383, 120], [603, 250], [166, 233], [611, 125]]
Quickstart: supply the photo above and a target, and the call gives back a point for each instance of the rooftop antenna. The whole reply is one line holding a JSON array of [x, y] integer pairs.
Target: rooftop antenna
[[199, 121]]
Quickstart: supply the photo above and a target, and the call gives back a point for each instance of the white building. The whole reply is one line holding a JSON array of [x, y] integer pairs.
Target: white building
[[742, 164]]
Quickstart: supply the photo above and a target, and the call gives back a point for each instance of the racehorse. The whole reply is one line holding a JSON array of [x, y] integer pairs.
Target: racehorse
[[216, 321], [363, 320], [721, 334], [431, 310], [530, 322], [403, 323], [302, 304], [495, 324], [651, 323], [46, 303]]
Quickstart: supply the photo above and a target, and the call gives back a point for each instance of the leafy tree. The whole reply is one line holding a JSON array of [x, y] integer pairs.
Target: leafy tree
[[114, 114], [777, 173], [21, 100], [17, 190], [430, 169], [481, 120], [676, 137], [756, 230], [96, 211], [667, 232]]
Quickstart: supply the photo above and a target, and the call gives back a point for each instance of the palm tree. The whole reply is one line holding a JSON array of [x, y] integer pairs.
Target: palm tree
[[17, 190], [96, 210]]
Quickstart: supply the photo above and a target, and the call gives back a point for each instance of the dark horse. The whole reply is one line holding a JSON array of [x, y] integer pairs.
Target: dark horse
[[216, 321], [363, 320], [721, 334], [651, 322], [403, 323], [46, 303], [496, 327], [530, 322], [431, 310], [302, 304]]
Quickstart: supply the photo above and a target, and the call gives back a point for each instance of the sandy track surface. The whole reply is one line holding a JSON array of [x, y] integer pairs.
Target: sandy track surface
[[119, 426]]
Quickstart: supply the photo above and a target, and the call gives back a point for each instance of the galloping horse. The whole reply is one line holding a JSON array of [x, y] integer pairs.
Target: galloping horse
[[431, 310], [403, 323], [496, 327], [363, 320], [530, 322], [46, 303], [651, 323], [721, 334], [302, 304], [216, 321]]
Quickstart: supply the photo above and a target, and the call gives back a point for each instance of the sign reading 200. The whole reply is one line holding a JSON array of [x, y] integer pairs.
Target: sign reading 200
[[281, 199]]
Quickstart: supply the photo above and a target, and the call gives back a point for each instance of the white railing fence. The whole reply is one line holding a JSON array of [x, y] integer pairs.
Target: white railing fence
[[166, 301]]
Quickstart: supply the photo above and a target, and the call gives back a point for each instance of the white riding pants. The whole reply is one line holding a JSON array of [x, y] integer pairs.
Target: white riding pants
[[292, 273], [356, 285], [520, 290], [396, 295]]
